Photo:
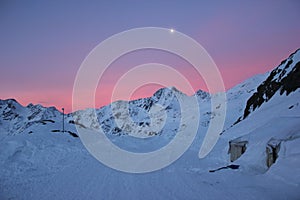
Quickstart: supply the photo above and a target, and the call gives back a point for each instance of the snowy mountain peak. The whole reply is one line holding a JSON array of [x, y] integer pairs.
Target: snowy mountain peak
[[11, 103], [283, 79], [15, 118], [9, 109], [137, 117], [165, 96]]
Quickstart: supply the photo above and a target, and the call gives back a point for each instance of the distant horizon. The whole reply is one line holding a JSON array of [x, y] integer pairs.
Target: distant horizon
[[44, 43], [136, 94]]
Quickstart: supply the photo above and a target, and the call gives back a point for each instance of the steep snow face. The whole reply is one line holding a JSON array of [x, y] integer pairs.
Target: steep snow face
[[237, 96], [284, 79]]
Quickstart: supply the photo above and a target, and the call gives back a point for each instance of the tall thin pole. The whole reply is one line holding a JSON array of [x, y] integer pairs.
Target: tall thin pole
[[63, 119]]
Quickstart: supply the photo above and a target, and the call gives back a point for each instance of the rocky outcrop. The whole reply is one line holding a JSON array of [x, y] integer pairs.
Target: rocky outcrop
[[283, 79]]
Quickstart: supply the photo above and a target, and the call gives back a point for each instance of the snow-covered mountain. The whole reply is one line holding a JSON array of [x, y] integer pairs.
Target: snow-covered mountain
[[257, 155], [139, 112], [16, 118], [283, 79], [267, 133]]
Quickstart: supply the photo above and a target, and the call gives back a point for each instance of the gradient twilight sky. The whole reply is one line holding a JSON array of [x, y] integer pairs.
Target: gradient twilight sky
[[43, 43]]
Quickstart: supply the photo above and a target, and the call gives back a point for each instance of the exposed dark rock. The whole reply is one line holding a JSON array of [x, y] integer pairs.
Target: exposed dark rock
[[291, 82], [202, 94], [116, 130], [281, 79], [145, 103]]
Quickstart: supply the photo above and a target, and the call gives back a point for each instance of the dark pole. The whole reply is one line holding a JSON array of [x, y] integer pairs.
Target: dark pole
[[63, 119]]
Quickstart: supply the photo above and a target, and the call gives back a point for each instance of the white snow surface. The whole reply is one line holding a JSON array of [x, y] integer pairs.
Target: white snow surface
[[38, 161]]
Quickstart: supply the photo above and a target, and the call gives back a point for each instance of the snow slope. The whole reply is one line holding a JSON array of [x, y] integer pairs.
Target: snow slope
[[38, 161]]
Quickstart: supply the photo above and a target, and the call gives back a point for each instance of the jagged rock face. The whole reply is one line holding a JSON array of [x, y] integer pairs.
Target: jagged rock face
[[284, 79], [291, 82], [145, 103]]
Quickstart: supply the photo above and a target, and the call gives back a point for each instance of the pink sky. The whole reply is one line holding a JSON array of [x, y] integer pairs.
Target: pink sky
[[44, 43]]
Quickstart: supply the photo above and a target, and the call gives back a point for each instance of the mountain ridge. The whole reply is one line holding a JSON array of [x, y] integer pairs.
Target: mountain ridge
[[287, 70], [284, 79], [42, 160]]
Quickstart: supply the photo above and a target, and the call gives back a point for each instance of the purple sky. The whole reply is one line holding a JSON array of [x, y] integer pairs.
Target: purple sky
[[43, 43]]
